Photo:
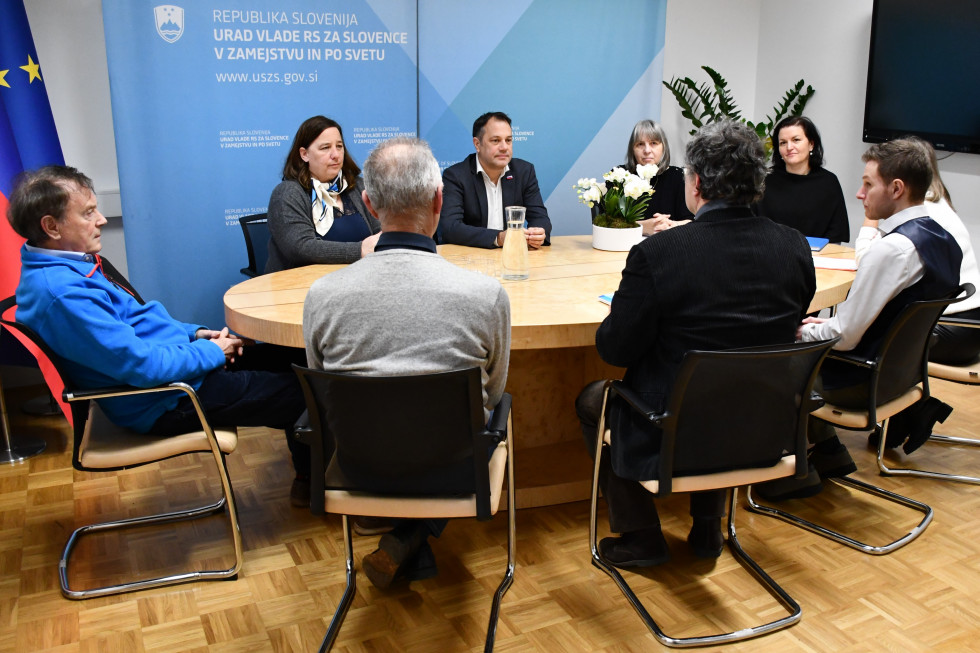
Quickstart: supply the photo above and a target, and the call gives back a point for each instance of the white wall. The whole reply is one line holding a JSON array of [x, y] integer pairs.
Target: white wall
[[720, 34], [70, 42], [762, 47], [826, 44]]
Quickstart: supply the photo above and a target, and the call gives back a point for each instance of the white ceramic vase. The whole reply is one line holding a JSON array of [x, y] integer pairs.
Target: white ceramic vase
[[616, 240]]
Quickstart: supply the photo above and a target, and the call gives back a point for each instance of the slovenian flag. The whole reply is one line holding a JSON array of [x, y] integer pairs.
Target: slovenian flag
[[28, 138]]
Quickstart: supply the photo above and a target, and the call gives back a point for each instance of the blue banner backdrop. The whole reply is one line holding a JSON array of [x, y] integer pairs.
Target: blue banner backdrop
[[574, 77], [206, 99]]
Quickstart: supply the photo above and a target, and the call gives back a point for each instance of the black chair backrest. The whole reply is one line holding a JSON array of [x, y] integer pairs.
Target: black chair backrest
[[418, 435], [903, 358], [51, 367], [256, 231], [739, 408]]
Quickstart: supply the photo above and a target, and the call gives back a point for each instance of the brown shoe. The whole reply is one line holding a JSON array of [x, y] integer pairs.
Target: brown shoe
[[395, 552]]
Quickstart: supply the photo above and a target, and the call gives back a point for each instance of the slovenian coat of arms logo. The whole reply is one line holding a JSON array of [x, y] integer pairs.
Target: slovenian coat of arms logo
[[170, 22]]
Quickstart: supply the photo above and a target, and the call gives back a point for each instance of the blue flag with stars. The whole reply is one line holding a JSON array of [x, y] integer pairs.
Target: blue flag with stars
[[27, 134]]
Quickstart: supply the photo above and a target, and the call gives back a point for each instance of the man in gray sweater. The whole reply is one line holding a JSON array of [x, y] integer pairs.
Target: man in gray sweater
[[406, 310]]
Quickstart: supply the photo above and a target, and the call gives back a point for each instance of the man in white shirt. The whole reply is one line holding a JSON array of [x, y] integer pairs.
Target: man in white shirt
[[915, 259], [477, 189], [952, 345]]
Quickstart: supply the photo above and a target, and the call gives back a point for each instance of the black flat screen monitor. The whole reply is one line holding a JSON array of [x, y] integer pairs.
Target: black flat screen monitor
[[924, 73]]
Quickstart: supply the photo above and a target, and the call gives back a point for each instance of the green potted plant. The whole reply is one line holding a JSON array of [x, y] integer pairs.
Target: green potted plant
[[706, 103], [617, 202]]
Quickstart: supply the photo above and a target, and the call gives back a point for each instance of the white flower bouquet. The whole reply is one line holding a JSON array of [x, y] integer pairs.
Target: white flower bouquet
[[621, 199]]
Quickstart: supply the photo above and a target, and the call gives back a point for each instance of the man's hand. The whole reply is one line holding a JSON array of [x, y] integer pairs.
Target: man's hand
[[231, 345], [535, 237], [808, 320], [367, 245]]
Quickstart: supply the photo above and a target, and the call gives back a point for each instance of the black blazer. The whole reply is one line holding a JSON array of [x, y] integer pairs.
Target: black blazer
[[728, 279], [463, 220]]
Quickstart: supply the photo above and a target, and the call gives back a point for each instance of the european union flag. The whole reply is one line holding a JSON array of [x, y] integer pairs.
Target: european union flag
[[28, 138]]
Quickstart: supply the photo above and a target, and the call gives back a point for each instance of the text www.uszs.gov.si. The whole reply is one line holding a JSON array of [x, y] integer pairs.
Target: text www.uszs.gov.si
[[268, 78]]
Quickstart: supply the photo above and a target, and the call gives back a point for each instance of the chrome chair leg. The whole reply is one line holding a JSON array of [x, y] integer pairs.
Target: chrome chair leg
[[795, 612], [861, 486], [349, 591], [511, 540], [181, 515], [227, 501], [777, 592], [743, 558], [885, 470]]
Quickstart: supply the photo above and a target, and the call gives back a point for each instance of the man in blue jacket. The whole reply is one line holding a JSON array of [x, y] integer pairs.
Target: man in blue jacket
[[106, 336], [477, 189]]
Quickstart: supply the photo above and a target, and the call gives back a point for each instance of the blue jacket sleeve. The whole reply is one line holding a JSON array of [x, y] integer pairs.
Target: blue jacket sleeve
[[99, 340]]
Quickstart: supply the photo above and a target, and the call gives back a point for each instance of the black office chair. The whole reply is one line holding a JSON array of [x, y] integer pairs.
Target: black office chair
[[965, 374], [897, 379], [100, 446], [969, 374], [255, 228], [734, 417], [410, 447]]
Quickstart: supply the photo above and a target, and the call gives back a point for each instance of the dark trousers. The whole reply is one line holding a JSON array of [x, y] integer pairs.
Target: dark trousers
[[630, 507], [846, 392], [259, 389], [955, 345]]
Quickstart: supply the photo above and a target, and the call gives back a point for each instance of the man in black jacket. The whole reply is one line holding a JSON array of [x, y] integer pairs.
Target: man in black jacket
[[728, 279]]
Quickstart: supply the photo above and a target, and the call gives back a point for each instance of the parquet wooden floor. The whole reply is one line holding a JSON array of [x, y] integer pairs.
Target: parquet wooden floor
[[925, 597]]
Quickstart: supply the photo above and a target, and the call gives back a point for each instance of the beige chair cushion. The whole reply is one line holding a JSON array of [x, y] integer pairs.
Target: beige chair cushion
[[342, 502], [735, 478], [853, 418], [960, 373], [106, 446]]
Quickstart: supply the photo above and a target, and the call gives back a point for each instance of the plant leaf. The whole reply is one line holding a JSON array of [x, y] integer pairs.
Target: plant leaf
[[707, 96], [685, 92], [802, 100], [726, 103], [784, 105]]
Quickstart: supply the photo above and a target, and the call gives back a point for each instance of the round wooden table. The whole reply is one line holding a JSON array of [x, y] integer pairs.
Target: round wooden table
[[554, 317]]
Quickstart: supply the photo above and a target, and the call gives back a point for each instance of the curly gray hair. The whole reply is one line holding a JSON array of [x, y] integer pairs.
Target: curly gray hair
[[730, 160]]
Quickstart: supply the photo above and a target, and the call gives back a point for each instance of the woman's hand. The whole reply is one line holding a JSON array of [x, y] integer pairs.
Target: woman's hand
[[659, 222], [367, 245]]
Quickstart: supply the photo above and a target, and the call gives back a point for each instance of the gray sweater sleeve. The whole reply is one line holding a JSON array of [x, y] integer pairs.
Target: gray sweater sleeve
[[499, 359], [293, 239]]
